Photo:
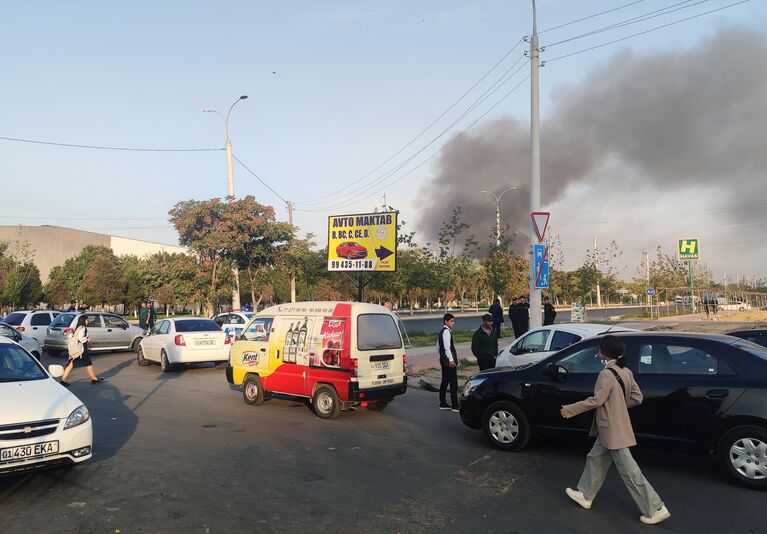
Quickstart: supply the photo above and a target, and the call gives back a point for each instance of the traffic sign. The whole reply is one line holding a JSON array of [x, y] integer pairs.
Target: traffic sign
[[362, 242], [650, 291], [540, 223], [541, 254], [688, 249]]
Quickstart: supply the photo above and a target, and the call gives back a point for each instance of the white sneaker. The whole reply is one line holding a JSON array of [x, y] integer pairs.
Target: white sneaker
[[578, 497], [656, 517]]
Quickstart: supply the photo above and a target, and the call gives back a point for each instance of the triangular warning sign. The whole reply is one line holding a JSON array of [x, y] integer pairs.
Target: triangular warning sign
[[540, 223]]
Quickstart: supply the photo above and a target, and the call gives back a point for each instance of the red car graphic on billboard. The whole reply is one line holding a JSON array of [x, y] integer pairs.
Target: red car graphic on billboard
[[351, 251]]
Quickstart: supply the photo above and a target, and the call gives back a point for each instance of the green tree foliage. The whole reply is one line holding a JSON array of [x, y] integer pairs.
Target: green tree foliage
[[22, 286], [103, 282]]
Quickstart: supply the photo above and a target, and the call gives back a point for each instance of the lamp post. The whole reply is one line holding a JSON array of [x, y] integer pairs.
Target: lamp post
[[230, 189], [498, 212]]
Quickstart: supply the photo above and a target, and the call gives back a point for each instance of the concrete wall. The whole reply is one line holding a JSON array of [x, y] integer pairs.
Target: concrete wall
[[53, 245]]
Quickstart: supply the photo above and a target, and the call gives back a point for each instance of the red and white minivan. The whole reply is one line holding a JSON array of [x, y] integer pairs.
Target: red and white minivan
[[338, 354]]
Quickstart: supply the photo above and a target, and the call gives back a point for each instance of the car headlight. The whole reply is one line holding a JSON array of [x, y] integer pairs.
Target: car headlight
[[471, 385], [78, 416]]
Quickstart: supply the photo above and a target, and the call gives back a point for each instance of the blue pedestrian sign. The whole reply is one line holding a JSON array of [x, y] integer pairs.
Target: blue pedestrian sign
[[650, 291], [541, 256]]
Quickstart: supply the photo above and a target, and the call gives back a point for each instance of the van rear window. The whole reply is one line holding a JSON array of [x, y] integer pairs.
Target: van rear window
[[377, 331]]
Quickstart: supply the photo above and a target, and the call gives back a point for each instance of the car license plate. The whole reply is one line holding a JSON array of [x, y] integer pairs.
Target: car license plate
[[382, 382], [205, 342], [29, 451], [380, 365]]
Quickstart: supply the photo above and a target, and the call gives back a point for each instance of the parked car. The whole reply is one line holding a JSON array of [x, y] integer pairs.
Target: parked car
[[30, 344], [232, 323], [184, 340], [42, 423], [107, 332], [734, 305], [351, 251], [703, 393], [32, 322], [539, 343], [754, 335]]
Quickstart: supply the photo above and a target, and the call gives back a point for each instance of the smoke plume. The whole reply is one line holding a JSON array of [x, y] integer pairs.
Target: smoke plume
[[673, 121]]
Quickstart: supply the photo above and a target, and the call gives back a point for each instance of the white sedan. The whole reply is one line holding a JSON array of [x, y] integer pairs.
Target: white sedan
[[41, 422], [28, 342], [539, 343], [184, 340], [233, 323]]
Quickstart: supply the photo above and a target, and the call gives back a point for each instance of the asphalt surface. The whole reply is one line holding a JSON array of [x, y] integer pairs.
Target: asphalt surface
[[182, 452]]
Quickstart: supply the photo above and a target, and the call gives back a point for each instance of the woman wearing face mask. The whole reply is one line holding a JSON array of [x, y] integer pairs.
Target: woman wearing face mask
[[615, 392]]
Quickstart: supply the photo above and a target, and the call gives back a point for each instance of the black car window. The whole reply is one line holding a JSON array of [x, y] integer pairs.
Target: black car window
[[534, 342], [221, 319], [63, 320], [563, 339], [678, 359], [377, 331], [258, 330], [15, 318], [40, 319], [94, 320], [759, 339], [197, 325], [583, 360], [748, 346]]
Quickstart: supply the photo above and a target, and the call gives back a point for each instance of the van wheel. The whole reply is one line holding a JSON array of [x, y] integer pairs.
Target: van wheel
[[165, 365], [743, 455], [506, 426], [253, 390], [143, 362], [325, 402], [378, 406]]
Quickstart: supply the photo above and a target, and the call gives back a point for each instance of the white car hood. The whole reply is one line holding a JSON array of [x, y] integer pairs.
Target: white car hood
[[507, 359], [35, 400]]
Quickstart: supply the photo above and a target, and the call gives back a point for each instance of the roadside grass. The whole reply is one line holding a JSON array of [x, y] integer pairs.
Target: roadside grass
[[427, 339]]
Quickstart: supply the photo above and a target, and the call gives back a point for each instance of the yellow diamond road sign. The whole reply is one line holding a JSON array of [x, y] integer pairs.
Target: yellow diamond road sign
[[688, 249], [362, 242]]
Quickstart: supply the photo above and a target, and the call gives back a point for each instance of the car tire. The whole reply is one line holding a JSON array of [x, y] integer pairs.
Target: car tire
[[165, 364], [378, 406], [253, 390], [135, 345], [506, 426], [325, 402], [143, 362], [743, 455]]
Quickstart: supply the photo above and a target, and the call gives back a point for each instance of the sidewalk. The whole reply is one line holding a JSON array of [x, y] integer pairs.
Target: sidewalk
[[422, 358]]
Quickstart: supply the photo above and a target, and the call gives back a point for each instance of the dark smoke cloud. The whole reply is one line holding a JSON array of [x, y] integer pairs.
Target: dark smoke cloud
[[676, 120]]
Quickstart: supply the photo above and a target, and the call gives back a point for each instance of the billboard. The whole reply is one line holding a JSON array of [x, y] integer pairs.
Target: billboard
[[688, 249], [363, 242]]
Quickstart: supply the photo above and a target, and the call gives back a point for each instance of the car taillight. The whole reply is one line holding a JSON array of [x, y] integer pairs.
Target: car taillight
[[227, 340], [69, 331], [179, 340], [20, 328], [404, 363], [355, 365]]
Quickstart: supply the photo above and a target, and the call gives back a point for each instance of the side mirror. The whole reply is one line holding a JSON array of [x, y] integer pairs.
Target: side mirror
[[56, 371]]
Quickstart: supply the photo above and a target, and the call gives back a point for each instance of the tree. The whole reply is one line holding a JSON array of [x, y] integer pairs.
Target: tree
[[22, 286], [449, 235], [166, 296], [103, 282]]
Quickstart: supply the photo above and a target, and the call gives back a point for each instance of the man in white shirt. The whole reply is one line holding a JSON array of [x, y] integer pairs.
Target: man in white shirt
[[448, 359]]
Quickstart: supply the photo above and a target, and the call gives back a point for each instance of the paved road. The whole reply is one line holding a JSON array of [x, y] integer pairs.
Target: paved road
[[182, 453]]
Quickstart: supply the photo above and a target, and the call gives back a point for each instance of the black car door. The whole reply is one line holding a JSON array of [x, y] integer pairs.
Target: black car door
[[687, 384], [578, 367]]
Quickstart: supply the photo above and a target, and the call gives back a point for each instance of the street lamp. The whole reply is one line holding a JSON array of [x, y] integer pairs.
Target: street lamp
[[229, 178], [230, 190], [498, 212]]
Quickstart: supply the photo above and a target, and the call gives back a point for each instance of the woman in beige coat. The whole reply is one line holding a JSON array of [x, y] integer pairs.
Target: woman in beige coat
[[615, 392]]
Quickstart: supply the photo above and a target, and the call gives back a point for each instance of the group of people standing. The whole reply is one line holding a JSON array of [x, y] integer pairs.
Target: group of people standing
[[146, 316]]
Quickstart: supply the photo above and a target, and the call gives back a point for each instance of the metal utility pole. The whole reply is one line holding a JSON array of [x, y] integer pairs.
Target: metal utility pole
[[230, 190], [596, 264], [292, 275], [535, 172], [498, 212]]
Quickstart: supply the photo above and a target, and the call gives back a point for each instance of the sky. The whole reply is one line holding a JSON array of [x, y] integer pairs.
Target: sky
[[351, 101]]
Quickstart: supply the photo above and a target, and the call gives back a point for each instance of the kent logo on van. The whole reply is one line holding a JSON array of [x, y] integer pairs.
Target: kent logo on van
[[338, 354]]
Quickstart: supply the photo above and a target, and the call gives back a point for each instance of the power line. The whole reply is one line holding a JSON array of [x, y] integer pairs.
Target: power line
[[590, 16], [97, 147], [259, 179], [422, 132], [646, 31]]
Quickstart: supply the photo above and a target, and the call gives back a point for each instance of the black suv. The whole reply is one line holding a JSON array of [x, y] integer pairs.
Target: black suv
[[704, 393]]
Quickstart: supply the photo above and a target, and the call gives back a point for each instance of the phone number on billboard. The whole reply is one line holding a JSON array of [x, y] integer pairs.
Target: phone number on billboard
[[354, 264]]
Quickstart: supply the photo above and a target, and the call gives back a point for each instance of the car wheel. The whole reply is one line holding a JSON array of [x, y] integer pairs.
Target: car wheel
[[506, 426], [253, 390], [378, 406], [165, 365], [135, 345], [743, 454], [325, 402], [143, 362], [741, 309]]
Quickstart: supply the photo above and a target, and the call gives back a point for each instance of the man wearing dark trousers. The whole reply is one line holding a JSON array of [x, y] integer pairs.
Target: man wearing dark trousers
[[496, 312], [484, 344], [448, 359]]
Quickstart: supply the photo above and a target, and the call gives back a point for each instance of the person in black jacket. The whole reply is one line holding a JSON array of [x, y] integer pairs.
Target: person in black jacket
[[523, 314], [549, 313], [514, 316], [448, 359], [496, 312], [484, 344]]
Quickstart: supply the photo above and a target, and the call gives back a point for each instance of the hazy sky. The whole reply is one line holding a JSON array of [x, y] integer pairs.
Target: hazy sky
[[337, 88]]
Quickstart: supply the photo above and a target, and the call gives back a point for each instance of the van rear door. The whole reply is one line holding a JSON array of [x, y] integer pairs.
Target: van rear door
[[379, 351]]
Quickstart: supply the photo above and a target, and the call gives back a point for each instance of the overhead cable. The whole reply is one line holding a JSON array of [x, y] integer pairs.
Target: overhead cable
[[259, 179], [98, 147]]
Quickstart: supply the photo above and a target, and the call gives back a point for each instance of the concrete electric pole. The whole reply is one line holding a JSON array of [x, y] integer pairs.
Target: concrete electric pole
[[535, 172], [292, 275]]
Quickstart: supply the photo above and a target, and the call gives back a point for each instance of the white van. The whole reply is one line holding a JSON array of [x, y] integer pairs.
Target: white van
[[338, 354]]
